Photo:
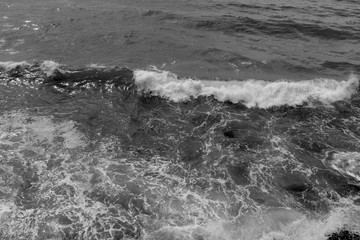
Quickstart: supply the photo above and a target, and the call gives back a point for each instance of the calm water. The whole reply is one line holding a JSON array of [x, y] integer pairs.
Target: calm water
[[162, 120]]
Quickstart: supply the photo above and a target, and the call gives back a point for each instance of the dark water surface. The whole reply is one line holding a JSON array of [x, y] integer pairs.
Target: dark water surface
[[207, 39], [224, 120]]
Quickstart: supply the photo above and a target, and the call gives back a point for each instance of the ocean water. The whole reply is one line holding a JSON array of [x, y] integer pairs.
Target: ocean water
[[186, 120]]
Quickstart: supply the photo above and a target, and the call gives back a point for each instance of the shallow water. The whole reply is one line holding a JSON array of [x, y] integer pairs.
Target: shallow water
[[224, 120]]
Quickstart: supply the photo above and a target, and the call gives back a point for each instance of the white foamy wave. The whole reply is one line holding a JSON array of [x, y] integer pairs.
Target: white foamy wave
[[48, 67], [11, 65], [252, 93]]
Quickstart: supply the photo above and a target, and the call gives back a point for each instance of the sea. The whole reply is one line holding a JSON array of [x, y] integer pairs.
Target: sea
[[179, 119]]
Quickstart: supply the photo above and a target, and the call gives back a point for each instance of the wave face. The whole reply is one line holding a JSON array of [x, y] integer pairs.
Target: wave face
[[252, 93]]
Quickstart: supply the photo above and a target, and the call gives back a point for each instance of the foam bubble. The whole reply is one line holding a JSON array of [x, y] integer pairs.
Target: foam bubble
[[252, 93]]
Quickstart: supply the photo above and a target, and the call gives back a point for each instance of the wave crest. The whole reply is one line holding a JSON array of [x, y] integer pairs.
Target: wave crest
[[252, 93]]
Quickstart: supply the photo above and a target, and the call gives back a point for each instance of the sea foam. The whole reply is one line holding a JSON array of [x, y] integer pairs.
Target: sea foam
[[7, 66], [252, 93]]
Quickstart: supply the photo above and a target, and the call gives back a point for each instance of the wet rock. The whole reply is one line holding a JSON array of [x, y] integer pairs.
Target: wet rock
[[239, 174], [344, 235], [191, 150]]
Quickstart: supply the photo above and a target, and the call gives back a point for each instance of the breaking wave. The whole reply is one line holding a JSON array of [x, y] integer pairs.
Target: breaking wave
[[252, 93]]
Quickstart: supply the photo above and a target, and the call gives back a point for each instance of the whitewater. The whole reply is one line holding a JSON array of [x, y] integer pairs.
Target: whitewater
[[186, 120], [252, 93]]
